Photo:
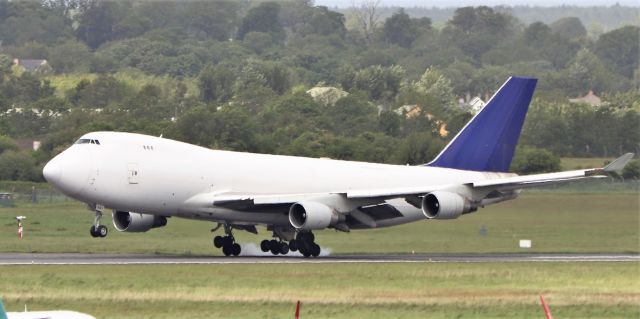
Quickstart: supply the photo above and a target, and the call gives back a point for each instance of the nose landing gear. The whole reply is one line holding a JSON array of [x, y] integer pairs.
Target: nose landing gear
[[98, 230]]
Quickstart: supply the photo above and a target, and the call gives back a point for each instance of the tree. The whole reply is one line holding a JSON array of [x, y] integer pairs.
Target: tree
[[7, 144], [99, 93], [263, 18], [379, 82], [569, 27], [70, 56], [258, 42], [216, 83], [212, 19], [368, 18], [400, 29], [326, 22], [17, 166], [97, 21], [418, 148], [619, 48], [432, 82]]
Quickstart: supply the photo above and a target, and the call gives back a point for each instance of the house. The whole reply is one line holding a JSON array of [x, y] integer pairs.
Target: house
[[413, 110], [590, 99], [28, 144], [476, 104], [32, 65], [326, 95]]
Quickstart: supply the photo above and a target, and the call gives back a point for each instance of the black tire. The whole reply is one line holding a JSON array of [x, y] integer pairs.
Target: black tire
[[264, 246], [293, 245], [93, 231], [227, 250], [218, 241], [102, 231], [235, 249], [275, 249], [305, 253], [315, 250], [227, 241], [284, 248]]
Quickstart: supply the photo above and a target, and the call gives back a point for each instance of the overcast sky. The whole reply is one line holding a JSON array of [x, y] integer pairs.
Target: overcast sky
[[462, 3]]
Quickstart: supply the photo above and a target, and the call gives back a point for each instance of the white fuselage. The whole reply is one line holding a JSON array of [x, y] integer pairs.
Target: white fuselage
[[152, 175]]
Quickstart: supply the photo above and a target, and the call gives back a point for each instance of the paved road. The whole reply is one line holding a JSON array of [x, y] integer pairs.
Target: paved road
[[117, 259]]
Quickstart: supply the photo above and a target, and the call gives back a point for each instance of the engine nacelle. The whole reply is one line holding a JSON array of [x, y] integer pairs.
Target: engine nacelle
[[446, 205], [136, 222], [308, 215]]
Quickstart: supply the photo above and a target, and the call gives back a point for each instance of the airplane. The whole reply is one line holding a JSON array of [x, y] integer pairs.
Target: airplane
[[145, 180], [56, 314]]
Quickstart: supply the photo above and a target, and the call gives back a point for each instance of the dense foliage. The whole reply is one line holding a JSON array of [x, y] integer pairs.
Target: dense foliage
[[234, 75]]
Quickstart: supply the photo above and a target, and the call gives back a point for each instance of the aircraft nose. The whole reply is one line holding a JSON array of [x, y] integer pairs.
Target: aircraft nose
[[52, 171]]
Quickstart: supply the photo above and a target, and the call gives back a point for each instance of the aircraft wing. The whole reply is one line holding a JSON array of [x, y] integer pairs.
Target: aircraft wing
[[506, 183], [373, 196]]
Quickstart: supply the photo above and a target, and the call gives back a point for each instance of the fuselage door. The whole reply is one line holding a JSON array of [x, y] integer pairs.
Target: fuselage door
[[132, 171]]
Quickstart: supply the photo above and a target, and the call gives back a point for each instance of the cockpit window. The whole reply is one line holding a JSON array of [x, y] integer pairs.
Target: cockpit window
[[87, 141]]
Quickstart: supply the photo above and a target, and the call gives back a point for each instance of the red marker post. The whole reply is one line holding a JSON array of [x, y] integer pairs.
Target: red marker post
[[547, 312]]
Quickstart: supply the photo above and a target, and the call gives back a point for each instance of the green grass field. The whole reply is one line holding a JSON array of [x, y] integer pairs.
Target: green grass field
[[554, 222], [571, 163], [416, 290]]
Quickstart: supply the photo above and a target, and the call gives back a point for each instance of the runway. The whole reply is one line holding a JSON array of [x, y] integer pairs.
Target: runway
[[141, 259]]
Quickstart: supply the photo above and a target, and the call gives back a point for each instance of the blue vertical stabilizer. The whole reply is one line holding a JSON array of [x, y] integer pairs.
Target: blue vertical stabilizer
[[488, 141]]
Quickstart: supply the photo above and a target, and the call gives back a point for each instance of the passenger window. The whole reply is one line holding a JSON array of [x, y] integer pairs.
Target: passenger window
[[97, 142]]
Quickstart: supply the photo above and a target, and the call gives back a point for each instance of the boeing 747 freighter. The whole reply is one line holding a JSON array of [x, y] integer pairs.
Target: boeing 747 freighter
[[146, 180]]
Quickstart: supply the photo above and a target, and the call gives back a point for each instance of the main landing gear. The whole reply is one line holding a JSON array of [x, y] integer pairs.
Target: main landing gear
[[98, 230], [304, 242], [227, 243]]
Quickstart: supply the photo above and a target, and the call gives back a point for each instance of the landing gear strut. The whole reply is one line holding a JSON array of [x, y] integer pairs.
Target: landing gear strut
[[98, 230], [227, 243]]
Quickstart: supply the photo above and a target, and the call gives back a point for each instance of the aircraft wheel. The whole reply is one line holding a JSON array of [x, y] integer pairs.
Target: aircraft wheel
[[315, 250], [102, 231], [293, 245], [227, 250], [235, 249], [93, 231], [264, 246], [284, 248], [275, 249], [218, 241]]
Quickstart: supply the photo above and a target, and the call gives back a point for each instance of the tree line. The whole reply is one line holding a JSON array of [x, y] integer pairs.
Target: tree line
[[234, 75]]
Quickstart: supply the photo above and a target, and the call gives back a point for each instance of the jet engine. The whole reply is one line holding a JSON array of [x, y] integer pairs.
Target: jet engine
[[308, 215], [136, 222], [446, 205]]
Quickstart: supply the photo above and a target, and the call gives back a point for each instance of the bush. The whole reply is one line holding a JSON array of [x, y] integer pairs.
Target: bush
[[531, 160], [632, 170]]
